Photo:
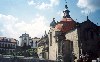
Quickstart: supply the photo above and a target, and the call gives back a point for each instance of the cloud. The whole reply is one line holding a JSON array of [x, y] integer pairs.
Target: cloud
[[13, 27], [60, 13], [43, 5], [88, 6], [31, 2]]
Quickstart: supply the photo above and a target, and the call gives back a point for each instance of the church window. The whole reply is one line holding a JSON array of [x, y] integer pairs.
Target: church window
[[50, 38]]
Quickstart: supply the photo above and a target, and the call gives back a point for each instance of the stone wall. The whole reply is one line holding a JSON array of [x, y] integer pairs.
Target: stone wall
[[53, 45], [73, 37]]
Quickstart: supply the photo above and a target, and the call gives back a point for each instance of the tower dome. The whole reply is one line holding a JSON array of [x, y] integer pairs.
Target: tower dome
[[53, 23]]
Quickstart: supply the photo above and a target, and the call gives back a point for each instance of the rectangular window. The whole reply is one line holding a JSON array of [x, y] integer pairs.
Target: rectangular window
[[5, 45], [8, 45], [0, 44], [50, 38]]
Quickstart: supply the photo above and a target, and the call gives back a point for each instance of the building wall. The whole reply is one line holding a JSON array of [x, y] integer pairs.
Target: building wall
[[25, 39], [39, 51], [73, 37], [35, 40], [67, 50], [42, 48], [7, 45], [53, 45], [89, 38]]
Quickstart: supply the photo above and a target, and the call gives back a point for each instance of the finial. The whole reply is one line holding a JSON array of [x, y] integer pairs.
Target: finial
[[53, 19], [66, 5], [66, 11], [65, 1], [87, 18]]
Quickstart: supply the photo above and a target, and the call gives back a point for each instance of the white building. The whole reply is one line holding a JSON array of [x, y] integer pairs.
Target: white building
[[25, 40], [34, 42]]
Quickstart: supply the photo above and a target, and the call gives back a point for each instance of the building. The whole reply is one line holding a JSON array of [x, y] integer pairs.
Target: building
[[67, 38], [26, 40], [71, 41], [42, 50], [34, 42], [7, 45], [88, 35], [53, 45]]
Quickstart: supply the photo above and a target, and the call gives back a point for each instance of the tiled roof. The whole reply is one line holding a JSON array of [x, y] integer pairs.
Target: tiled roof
[[66, 24]]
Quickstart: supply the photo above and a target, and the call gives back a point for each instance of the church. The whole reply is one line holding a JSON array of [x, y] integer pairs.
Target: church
[[70, 41]]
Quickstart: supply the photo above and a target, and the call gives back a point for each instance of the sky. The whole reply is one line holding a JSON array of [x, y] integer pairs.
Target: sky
[[34, 16]]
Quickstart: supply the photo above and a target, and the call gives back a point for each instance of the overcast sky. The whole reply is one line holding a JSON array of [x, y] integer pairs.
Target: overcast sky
[[34, 16]]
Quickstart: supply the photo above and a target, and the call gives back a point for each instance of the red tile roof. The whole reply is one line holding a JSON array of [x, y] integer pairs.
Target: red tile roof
[[66, 24]]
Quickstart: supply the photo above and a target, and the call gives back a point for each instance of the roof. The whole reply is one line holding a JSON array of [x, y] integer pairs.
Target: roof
[[99, 28], [36, 38], [66, 24], [4, 39]]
